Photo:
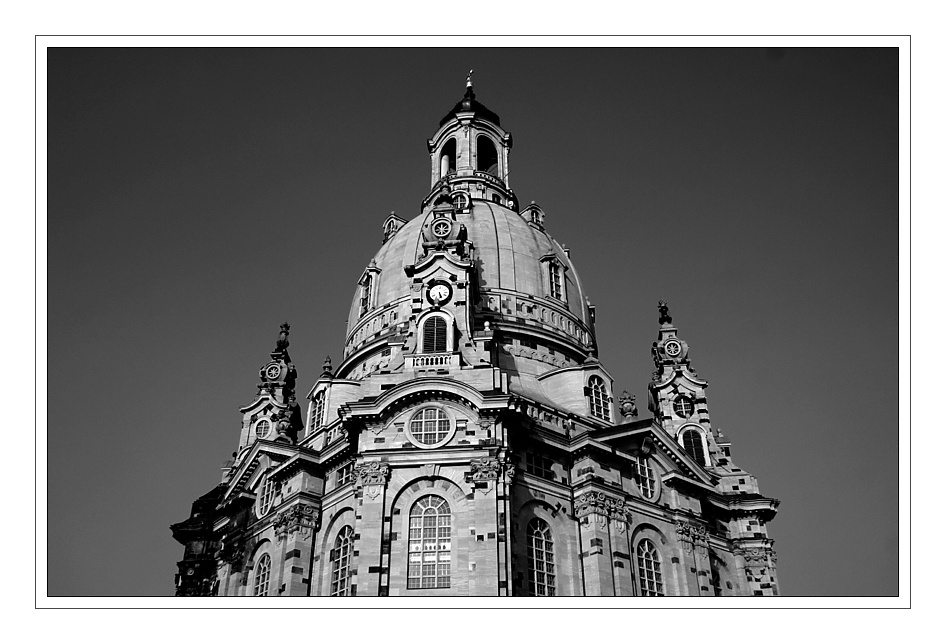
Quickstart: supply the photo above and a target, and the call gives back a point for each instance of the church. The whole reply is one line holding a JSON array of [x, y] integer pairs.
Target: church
[[470, 441]]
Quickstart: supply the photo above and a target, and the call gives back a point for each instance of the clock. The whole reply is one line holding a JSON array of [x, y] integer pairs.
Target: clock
[[439, 293], [273, 371], [673, 348]]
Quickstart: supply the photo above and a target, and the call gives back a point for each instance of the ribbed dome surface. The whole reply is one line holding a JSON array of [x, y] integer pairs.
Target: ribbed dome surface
[[506, 249]]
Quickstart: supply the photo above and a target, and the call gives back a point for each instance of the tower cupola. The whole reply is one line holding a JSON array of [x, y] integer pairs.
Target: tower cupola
[[469, 154]]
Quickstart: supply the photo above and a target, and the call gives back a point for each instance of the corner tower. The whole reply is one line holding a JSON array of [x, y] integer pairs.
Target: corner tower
[[468, 442]]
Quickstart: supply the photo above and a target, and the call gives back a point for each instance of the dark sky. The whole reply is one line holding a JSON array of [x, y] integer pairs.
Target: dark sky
[[200, 197]]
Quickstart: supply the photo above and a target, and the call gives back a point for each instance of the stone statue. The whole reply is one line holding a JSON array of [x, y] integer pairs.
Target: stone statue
[[664, 312], [283, 342]]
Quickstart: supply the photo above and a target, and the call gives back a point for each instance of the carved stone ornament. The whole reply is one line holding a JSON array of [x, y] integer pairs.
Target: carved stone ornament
[[693, 536], [485, 469], [628, 405], [371, 477], [591, 503], [604, 506], [372, 473], [756, 556], [301, 517], [509, 471]]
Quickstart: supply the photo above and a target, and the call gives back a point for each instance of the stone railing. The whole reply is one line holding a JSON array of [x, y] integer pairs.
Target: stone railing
[[433, 360]]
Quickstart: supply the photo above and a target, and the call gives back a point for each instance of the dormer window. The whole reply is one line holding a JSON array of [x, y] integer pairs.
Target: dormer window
[[598, 400], [318, 410], [555, 281], [555, 277], [368, 288], [389, 229], [365, 294]]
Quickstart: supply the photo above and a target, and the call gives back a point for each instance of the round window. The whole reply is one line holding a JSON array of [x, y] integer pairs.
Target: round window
[[430, 427], [683, 406], [263, 425], [673, 348], [461, 200], [441, 227]]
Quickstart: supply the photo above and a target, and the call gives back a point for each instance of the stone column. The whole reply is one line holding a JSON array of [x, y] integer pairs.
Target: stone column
[[371, 482]]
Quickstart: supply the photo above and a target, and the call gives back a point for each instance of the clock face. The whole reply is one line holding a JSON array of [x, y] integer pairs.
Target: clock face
[[439, 293], [673, 348], [273, 371]]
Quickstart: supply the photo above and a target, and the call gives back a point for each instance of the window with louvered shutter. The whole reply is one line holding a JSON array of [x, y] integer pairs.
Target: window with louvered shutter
[[435, 335]]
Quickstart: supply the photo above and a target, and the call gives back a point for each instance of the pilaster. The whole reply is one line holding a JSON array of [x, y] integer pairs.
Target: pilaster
[[371, 482], [484, 553], [591, 510], [295, 529]]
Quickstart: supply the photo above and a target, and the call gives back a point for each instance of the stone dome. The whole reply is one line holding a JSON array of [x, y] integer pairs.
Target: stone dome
[[511, 252]]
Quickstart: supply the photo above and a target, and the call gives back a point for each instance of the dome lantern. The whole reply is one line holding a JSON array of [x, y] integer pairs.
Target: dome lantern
[[470, 153]]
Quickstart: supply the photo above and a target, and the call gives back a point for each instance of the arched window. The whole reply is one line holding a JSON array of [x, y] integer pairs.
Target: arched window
[[318, 410], [693, 444], [435, 335], [598, 398], [486, 158], [448, 157], [541, 563], [266, 492], [341, 562], [645, 478], [261, 577], [428, 564], [430, 426], [648, 568]]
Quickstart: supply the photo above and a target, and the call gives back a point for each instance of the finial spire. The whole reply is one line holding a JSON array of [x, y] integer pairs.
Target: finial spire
[[469, 79]]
